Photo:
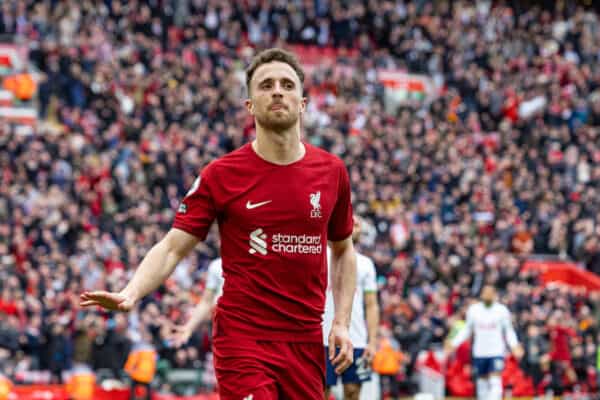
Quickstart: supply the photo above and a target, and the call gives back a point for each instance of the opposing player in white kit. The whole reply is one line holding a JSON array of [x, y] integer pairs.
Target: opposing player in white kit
[[363, 325], [203, 310], [489, 322]]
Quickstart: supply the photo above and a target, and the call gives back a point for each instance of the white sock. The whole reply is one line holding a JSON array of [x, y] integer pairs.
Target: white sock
[[482, 389], [495, 392]]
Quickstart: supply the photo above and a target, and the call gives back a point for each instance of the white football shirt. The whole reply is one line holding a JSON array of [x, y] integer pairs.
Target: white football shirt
[[490, 327], [214, 278], [365, 283]]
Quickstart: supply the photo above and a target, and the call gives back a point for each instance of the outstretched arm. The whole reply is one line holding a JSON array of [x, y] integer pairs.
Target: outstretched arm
[[155, 268]]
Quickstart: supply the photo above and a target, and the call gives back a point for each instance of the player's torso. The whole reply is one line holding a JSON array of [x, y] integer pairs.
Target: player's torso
[[489, 337], [270, 212], [488, 319], [273, 219]]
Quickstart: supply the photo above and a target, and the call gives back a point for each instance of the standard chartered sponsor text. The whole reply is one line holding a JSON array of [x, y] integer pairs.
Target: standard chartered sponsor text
[[297, 244]]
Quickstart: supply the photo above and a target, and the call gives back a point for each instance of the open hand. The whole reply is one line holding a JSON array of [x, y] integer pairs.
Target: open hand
[[180, 334], [107, 300]]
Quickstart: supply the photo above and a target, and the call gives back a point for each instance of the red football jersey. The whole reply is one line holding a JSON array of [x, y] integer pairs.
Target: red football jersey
[[274, 223]]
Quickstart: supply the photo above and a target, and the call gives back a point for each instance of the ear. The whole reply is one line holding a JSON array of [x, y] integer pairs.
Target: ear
[[303, 105], [249, 106]]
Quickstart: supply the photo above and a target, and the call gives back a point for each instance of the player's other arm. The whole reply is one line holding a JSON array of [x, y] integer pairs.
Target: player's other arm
[[343, 279], [463, 334], [154, 269], [342, 273], [511, 336], [200, 313], [203, 309], [343, 285]]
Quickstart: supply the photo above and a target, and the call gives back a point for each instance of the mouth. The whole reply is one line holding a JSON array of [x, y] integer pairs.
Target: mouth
[[277, 106]]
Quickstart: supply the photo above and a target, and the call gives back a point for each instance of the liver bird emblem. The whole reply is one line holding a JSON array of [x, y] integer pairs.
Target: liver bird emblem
[[315, 200]]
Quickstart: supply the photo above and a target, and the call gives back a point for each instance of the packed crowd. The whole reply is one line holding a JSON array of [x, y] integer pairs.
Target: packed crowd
[[136, 97]]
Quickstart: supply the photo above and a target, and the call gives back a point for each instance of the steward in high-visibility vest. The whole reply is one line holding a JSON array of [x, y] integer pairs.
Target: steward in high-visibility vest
[[141, 363], [5, 387], [22, 85], [141, 367], [81, 383], [387, 360]]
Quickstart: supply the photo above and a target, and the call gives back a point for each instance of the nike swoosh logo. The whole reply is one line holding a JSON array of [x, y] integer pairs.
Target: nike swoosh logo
[[250, 206]]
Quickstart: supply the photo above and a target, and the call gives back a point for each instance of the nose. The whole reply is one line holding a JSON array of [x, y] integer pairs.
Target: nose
[[277, 89]]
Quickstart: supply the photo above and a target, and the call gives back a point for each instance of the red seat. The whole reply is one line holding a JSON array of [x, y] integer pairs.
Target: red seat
[[459, 382]]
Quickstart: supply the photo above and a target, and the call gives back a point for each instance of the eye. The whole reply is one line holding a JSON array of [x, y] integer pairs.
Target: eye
[[266, 85], [288, 85]]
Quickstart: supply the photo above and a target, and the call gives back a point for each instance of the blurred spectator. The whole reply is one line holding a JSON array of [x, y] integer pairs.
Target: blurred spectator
[[141, 365], [536, 353], [388, 363], [111, 345], [59, 349]]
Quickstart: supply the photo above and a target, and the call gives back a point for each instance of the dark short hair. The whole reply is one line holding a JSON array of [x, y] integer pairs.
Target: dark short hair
[[270, 55]]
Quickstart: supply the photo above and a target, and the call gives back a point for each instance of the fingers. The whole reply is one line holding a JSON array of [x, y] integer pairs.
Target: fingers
[[368, 354], [84, 297], [331, 345], [110, 301], [88, 299], [180, 336], [89, 303], [91, 299], [344, 358], [97, 294], [341, 355]]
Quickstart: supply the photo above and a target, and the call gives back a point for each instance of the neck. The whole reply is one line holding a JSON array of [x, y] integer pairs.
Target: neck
[[278, 147]]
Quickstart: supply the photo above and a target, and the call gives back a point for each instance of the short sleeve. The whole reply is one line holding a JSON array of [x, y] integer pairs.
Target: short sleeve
[[370, 277], [214, 274], [197, 210], [340, 223]]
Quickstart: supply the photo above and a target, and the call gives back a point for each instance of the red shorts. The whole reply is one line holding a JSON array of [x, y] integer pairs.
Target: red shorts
[[268, 370]]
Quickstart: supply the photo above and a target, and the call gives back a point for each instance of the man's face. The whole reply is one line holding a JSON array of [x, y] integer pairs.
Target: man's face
[[276, 96], [488, 295]]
